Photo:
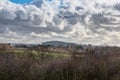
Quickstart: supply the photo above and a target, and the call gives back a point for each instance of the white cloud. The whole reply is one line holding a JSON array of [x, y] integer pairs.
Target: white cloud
[[82, 21]]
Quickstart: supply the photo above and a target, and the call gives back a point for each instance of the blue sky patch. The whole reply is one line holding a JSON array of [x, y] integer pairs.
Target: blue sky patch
[[21, 1]]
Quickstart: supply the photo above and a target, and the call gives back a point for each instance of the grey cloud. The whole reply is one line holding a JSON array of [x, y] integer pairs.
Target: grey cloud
[[101, 20], [37, 3], [79, 8], [117, 6]]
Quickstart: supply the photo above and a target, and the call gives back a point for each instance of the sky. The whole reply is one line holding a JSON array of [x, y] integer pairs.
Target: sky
[[94, 22], [21, 1]]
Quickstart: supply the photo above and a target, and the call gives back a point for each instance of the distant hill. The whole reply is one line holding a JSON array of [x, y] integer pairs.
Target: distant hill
[[58, 43]]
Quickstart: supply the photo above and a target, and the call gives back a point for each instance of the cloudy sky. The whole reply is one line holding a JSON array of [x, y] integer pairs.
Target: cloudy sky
[[82, 21]]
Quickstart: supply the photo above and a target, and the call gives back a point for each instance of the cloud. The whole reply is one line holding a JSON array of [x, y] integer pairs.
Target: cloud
[[81, 21]]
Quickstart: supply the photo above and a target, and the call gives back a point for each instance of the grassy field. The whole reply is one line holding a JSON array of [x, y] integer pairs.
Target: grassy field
[[37, 53]]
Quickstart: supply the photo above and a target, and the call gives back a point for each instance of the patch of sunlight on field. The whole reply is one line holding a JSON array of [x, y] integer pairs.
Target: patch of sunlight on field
[[59, 55], [53, 54]]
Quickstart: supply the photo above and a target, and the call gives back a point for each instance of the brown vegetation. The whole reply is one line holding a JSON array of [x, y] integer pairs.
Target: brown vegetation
[[93, 66]]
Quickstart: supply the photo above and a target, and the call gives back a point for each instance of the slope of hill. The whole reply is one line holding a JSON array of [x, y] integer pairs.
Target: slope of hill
[[58, 43]]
